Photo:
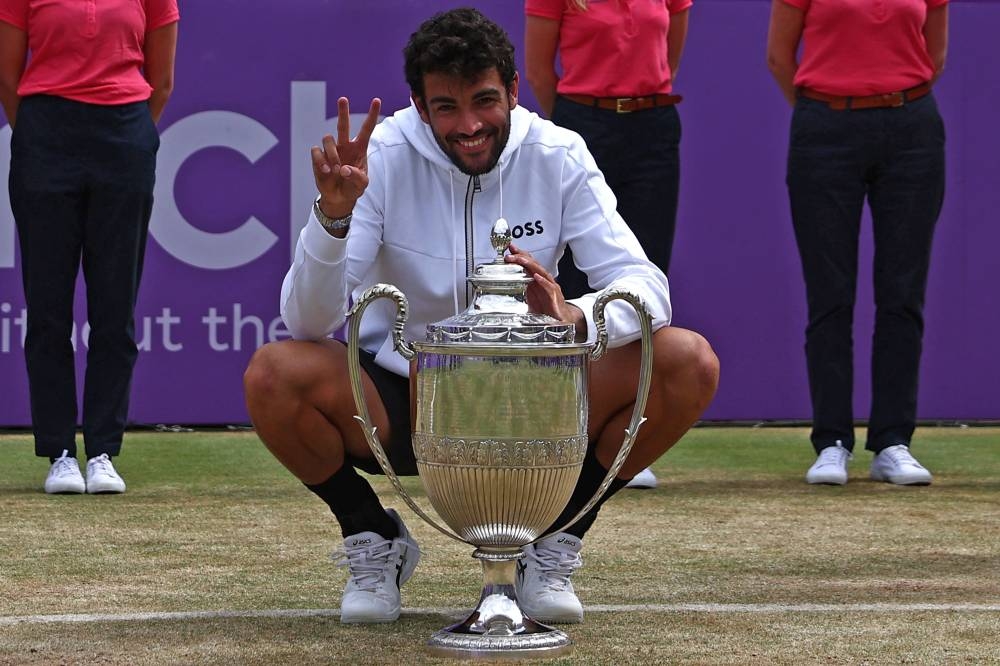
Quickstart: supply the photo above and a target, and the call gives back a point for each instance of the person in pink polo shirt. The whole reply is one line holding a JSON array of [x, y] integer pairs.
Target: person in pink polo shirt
[[82, 84], [618, 60], [865, 126]]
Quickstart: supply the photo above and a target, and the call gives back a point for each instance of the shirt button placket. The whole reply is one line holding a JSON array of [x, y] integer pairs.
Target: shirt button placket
[[90, 29]]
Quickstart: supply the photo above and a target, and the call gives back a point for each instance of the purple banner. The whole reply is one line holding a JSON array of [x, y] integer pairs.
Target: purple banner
[[256, 86]]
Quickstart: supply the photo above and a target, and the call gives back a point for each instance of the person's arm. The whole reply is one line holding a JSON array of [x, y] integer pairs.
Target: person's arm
[[676, 36], [316, 291], [541, 39], [936, 36], [158, 67], [13, 54], [783, 37], [340, 166], [607, 251]]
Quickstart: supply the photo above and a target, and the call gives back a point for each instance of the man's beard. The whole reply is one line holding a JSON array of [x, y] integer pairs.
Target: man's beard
[[502, 136]]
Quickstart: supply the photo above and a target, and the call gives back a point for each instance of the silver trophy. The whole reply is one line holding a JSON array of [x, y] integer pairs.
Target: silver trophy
[[499, 436]]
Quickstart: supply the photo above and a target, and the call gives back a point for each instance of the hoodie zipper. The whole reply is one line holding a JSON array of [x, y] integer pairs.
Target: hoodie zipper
[[470, 258]]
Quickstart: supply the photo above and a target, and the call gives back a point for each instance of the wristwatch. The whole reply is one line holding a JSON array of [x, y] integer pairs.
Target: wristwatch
[[331, 223]]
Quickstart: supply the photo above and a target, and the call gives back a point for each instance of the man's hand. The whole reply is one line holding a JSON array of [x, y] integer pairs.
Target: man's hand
[[341, 167], [544, 294]]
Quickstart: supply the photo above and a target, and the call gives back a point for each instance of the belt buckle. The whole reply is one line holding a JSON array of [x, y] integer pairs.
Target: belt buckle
[[619, 108], [895, 99]]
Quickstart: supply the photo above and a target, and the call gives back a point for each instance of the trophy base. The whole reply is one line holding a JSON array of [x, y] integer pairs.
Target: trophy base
[[498, 629], [499, 636], [499, 648]]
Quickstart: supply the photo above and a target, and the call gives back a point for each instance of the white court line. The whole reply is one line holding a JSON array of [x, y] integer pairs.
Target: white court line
[[460, 612]]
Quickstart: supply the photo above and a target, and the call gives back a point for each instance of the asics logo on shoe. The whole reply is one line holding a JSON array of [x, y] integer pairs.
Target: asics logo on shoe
[[568, 542], [361, 542]]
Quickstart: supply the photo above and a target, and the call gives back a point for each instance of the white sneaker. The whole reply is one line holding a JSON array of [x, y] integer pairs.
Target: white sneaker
[[643, 480], [896, 464], [64, 476], [543, 586], [102, 477], [830, 466], [376, 567]]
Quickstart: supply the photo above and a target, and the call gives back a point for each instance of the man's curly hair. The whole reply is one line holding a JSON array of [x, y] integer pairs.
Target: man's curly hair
[[459, 42]]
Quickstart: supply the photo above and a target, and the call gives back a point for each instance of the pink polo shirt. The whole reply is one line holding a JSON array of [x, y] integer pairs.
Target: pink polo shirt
[[863, 47], [87, 50], [616, 48]]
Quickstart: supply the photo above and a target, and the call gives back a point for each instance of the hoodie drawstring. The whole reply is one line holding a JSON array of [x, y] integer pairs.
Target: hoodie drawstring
[[454, 241], [499, 168]]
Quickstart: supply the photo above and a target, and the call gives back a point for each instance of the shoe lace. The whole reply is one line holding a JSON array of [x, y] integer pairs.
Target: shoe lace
[[367, 565], [900, 455], [555, 567], [834, 455], [64, 465], [102, 465]]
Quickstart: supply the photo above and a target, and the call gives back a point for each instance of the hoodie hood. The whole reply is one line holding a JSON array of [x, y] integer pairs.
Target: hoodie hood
[[419, 135]]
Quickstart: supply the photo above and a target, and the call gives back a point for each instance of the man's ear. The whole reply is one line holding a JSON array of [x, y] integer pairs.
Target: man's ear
[[421, 107], [512, 93]]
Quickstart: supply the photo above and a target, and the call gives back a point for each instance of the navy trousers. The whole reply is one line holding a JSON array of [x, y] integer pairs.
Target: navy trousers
[[639, 154], [81, 190], [894, 158]]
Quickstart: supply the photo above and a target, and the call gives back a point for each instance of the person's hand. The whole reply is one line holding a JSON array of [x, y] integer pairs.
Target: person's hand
[[544, 293], [340, 166]]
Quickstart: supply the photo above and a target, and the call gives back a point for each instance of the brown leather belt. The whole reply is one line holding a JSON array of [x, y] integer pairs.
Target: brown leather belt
[[625, 104], [870, 101]]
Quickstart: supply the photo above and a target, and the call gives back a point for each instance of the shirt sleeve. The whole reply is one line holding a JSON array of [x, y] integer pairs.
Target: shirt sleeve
[[678, 6], [15, 12], [551, 9], [316, 291], [160, 13], [799, 4], [608, 252]]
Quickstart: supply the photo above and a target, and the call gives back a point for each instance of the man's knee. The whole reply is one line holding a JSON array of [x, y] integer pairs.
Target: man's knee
[[275, 369], [260, 375], [688, 365]]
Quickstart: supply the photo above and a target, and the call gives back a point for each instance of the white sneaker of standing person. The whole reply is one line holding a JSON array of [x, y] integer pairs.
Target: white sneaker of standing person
[[64, 476], [543, 584], [102, 477], [896, 464], [830, 467], [643, 480], [376, 569]]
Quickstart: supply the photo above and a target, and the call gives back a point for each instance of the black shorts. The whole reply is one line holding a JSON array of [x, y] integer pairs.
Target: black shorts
[[395, 393]]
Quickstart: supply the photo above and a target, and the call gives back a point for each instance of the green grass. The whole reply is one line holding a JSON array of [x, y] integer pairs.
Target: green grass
[[212, 522]]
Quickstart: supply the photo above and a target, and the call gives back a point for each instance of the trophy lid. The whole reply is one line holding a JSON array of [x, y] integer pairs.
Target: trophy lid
[[499, 310]]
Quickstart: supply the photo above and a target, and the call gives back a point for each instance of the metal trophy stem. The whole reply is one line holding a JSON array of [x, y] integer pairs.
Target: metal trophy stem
[[499, 437], [497, 627]]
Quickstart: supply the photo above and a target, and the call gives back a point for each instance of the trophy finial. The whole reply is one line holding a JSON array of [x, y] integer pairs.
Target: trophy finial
[[500, 238]]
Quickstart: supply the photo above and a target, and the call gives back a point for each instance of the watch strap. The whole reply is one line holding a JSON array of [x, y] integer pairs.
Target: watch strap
[[330, 223]]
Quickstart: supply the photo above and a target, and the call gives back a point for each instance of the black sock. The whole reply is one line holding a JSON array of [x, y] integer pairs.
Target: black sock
[[591, 476], [355, 504]]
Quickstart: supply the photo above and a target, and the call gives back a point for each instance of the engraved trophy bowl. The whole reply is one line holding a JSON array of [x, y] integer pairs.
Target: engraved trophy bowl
[[499, 436]]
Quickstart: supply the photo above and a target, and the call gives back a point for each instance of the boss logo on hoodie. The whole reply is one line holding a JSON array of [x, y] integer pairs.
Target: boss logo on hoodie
[[527, 229]]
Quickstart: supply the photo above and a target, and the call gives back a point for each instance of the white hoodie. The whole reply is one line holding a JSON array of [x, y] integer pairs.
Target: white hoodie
[[422, 225]]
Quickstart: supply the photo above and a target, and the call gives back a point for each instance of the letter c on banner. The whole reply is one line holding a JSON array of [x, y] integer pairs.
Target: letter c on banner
[[219, 251]]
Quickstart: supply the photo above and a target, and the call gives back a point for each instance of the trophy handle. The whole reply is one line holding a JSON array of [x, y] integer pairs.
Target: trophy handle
[[354, 367], [645, 378]]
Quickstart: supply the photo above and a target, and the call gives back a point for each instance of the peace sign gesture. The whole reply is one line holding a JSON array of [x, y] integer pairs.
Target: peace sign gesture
[[341, 167]]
